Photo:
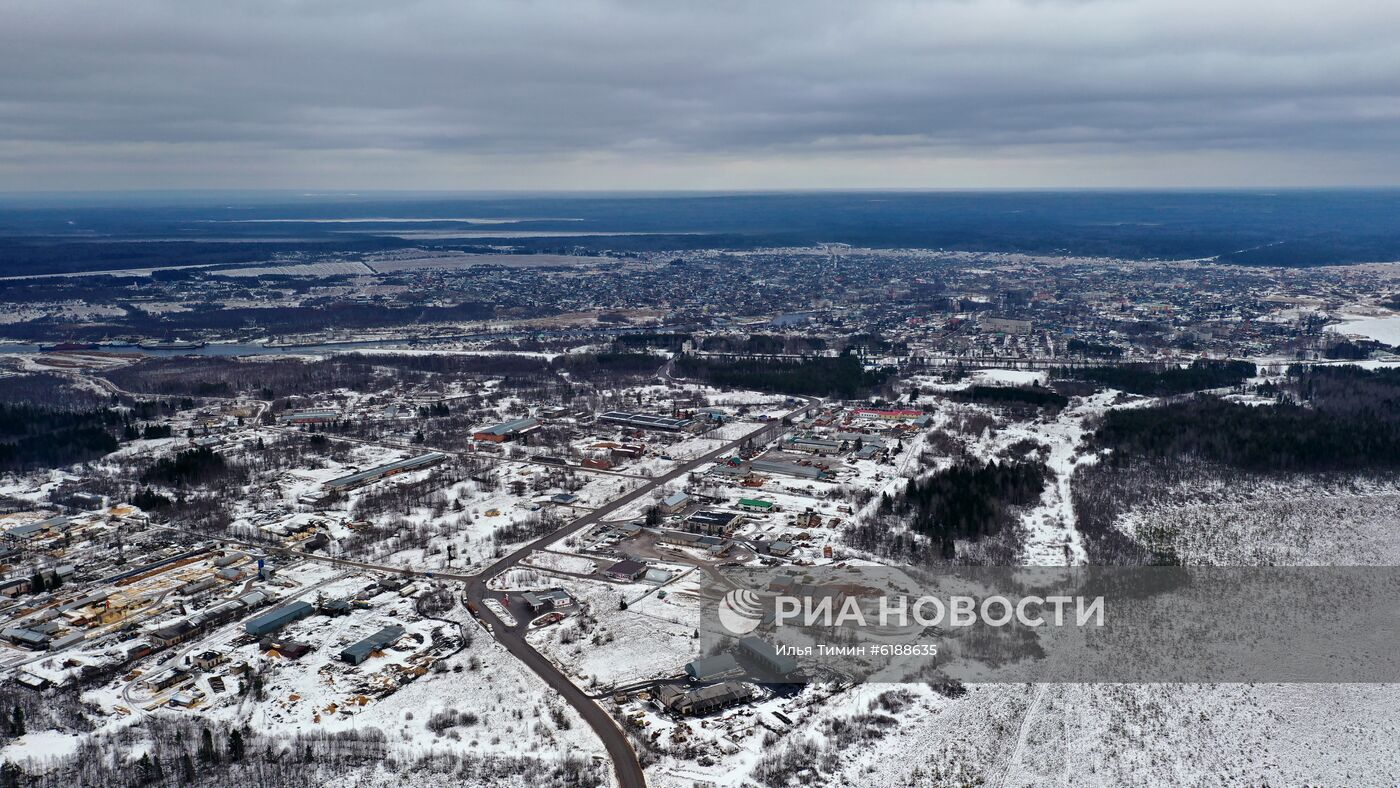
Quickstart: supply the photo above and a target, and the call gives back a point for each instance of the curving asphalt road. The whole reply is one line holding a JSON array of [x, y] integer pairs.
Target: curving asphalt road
[[625, 765]]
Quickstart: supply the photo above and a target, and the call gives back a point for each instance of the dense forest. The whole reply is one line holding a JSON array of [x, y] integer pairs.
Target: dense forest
[[823, 376], [763, 344], [289, 377], [1350, 421], [1033, 396], [190, 467], [33, 436], [49, 390], [1283, 437], [282, 377], [1328, 419], [1373, 393], [1156, 380], [608, 367], [1352, 351], [967, 502]]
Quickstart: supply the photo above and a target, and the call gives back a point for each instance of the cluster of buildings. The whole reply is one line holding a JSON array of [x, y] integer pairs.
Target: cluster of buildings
[[828, 439], [129, 591], [606, 455]]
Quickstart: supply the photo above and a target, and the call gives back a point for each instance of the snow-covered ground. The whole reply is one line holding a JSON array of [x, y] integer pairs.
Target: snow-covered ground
[[40, 747], [564, 563], [1009, 377], [1050, 536], [430, 673], [1061, 735], [605, 645], [995, 734], [1385, 330], [1298, 522]]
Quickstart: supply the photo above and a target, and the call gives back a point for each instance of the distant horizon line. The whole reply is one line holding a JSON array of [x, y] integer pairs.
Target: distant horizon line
[[53, 194]]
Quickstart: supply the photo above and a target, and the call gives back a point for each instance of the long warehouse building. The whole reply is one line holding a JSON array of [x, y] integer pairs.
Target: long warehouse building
[[275, 619], [361, 651], [385, 471], [645, 421]]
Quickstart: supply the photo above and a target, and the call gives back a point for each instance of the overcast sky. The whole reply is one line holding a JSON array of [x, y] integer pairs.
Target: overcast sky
[[650, 94]]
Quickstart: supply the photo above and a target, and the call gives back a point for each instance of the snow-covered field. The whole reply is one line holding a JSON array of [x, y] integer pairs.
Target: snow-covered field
[[40, 747], [1009, 377], [1061, 735], [606, 645], [1113, 734], [1346, 522], [564, 563], [1385, 330]]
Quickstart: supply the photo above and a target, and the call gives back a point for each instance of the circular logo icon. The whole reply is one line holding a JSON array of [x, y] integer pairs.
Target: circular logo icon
[[740, 611]]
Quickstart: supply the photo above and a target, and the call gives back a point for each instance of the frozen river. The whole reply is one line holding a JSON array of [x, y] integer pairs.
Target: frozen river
[[1385, 330]]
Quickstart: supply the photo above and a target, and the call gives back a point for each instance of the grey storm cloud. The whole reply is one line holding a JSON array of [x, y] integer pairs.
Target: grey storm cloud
[[151, 85]]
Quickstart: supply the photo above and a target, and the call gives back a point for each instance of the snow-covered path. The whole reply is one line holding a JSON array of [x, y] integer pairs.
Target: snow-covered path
[[1051, 538]]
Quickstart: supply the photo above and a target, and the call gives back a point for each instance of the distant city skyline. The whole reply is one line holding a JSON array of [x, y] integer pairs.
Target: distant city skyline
[[624, 95]]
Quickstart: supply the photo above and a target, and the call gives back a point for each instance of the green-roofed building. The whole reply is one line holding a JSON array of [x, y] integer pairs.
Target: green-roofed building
[[755, 505]]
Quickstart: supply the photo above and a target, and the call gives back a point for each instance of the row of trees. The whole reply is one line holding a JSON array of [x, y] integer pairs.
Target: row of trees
[[768, 344], [1165, 380], [193, 752], [1093, 349], [824, 376], [283, 377], [1032, 396], [291, 377], [652, 339]]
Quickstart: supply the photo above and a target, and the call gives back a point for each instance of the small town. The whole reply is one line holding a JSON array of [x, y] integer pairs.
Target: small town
[[611, 394], [329, 534]]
